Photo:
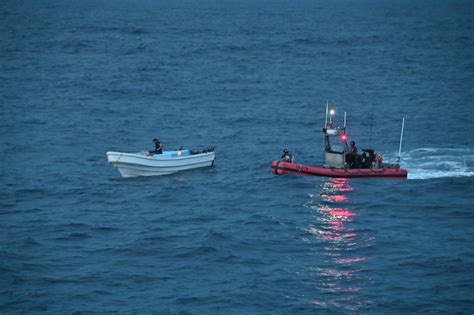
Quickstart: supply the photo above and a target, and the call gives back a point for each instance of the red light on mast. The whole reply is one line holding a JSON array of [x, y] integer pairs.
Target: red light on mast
[[344, 137]]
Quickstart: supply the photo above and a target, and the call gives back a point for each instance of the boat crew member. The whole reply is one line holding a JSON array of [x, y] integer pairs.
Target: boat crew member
[[378, 160], [353, 150], [351, 156], [158, 147], [287, 157]]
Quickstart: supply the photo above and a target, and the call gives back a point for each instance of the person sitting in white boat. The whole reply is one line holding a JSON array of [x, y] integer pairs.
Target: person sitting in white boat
[[351, 156], [287, 157], [158, 147]]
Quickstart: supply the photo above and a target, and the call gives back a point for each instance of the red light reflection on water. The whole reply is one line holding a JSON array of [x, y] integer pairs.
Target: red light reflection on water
[[349, 261], [337, 198], [334, 193], [339, 273], [339, 185]]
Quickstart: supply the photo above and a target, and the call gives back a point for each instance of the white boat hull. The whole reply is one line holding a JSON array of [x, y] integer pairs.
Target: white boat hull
[[136, 164]]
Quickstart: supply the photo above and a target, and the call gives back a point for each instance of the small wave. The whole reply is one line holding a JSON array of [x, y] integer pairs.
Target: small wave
[[213, 235], [138, 31], [198, 252], [305, 41], [104, 229], [30, 242], [427, 163], [75, 225], [74, 237], [27, 191], [235, 48]]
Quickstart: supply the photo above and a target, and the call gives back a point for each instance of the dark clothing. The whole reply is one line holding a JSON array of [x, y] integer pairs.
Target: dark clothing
[[350, 159], [353, 150], [158, 148], [351, 156]]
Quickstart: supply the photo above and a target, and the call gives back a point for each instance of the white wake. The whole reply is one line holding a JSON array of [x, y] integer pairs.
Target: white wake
[[425, 163]]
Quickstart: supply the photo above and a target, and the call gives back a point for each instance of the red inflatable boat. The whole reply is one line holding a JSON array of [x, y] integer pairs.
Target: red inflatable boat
[[283, 168], [342, 160]]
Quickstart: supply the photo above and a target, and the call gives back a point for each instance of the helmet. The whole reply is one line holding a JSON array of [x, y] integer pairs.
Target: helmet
[[285, 151], [155, 140], [353, 143]]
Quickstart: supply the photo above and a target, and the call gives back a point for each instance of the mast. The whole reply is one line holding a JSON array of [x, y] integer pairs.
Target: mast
[[345, 121], [401, 141]]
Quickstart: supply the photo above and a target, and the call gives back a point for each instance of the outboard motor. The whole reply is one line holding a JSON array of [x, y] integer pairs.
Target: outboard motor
[[368, 157]]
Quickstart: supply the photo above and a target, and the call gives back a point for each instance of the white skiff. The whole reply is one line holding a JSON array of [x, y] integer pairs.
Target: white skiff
[[141, 164]]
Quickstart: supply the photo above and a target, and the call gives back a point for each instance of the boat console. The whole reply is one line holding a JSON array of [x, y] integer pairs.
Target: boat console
[[334, 150]]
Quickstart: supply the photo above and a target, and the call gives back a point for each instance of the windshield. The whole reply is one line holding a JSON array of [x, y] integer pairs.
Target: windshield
[[334, 144]]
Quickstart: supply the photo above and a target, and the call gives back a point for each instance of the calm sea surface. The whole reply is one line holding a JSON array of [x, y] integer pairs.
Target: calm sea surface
[[79, 78]]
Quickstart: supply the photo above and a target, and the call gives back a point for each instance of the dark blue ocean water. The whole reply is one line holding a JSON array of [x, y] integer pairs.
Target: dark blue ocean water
[[79, 78]]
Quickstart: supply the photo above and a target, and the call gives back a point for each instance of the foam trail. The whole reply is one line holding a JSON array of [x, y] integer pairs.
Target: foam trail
[[426, 163]]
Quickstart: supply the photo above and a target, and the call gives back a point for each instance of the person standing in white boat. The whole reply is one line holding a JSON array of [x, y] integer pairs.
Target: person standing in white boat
[[158, 147]]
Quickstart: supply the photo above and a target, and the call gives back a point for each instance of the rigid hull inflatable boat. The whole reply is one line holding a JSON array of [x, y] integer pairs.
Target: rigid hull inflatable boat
[[142, 164], [339, 160], [283, 168]]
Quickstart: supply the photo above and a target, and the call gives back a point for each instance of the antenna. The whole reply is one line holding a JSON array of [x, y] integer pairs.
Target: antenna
[[345, 120], [401, 140], [371, 123], [327, 109]]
